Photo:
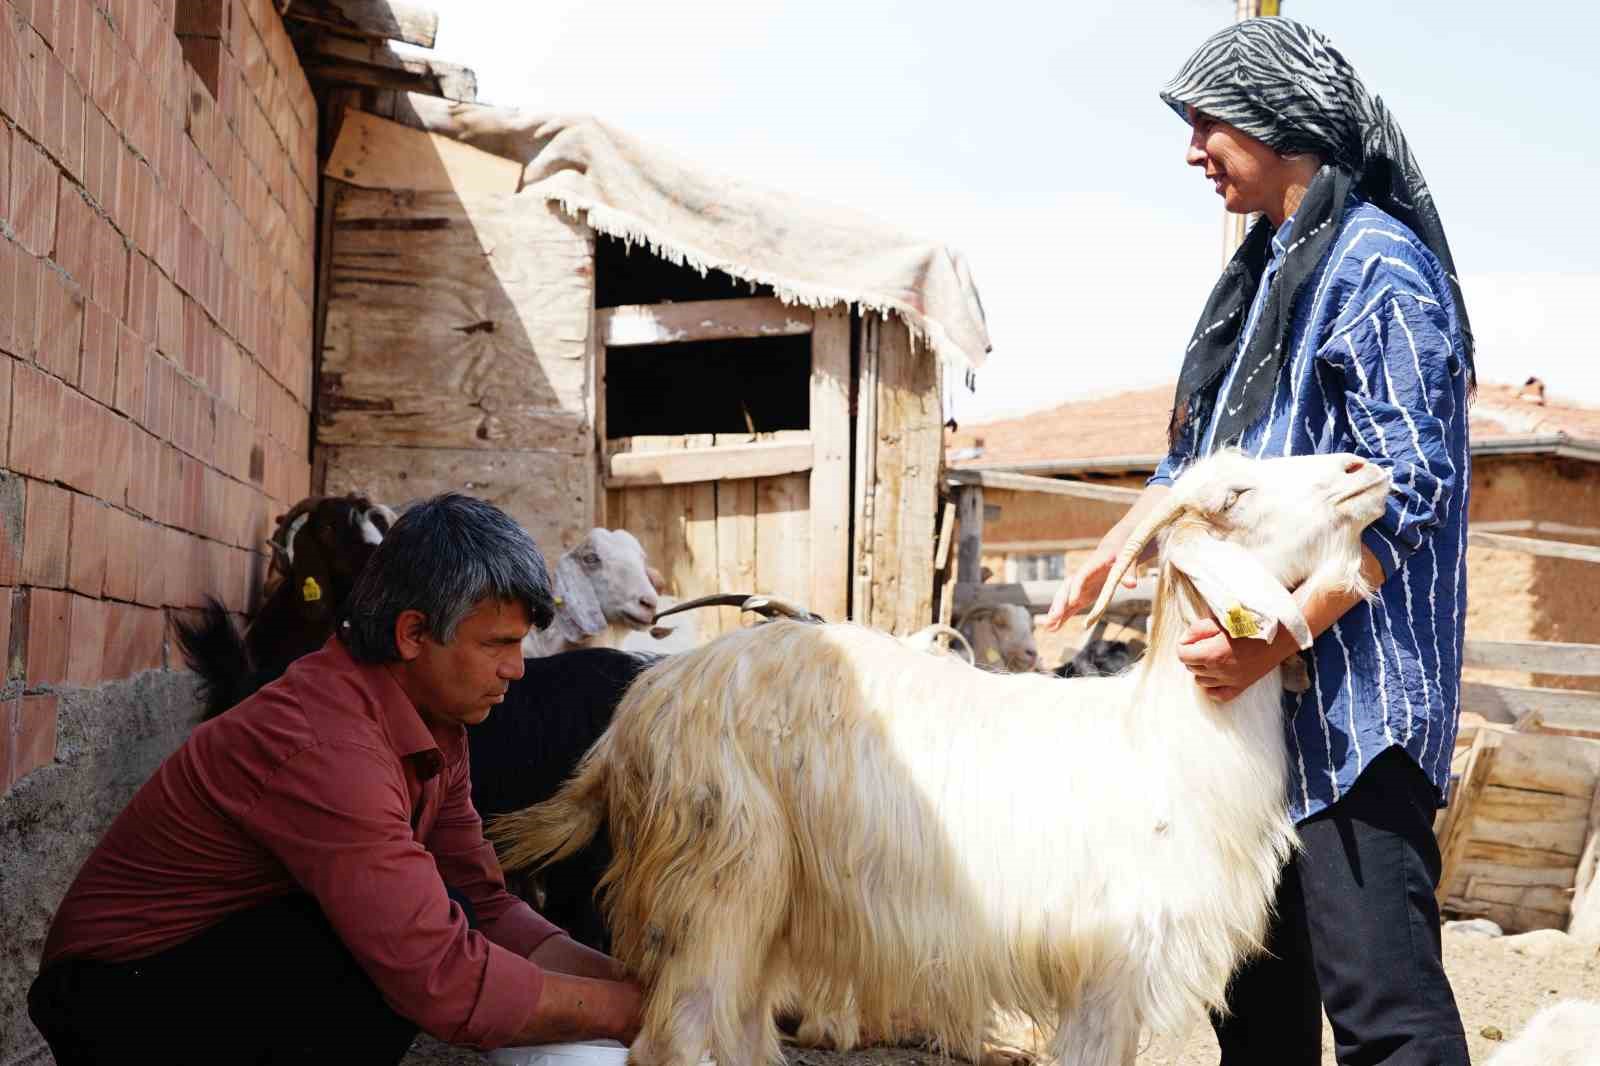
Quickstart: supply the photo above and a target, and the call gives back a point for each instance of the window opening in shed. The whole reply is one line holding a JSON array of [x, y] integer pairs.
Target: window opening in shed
[[735, 386]]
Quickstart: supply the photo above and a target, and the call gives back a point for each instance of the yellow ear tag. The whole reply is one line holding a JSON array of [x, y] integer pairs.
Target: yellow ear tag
[[558, 601], [1240, 622], [311, 591], [991, 656]]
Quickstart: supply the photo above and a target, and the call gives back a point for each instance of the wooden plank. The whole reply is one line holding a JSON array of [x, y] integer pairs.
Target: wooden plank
[[391, 20], [736, 545], [541, 490], [947, 523], [910, 454], [995, 479], [783, 538], [1511, 703], [1524, 525], [862, 563], [456, 324], [1503, 874], [1533, 656], [830, 470], [1585, 912], [1532, 546], [1511, 919], [1510, 855], [701, 320], [1534, 897], [722, 462], [1456, 829], [338, 59], [969, 552], [1544, 763], [1539, 821], [374, 153]]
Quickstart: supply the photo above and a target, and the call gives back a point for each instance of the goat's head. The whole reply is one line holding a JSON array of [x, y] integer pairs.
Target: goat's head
[[322, 543], [605, 580], [1002, 637], [1242, 532]]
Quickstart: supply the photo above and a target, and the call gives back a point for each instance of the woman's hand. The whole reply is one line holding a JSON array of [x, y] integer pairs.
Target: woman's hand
[[1079, 589], [1225, 667]]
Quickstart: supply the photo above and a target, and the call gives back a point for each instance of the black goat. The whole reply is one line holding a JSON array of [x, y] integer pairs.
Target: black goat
[[319, 547], [530, 744]]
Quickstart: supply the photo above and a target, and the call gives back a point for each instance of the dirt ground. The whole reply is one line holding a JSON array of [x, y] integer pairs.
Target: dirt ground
[[1499, 983]]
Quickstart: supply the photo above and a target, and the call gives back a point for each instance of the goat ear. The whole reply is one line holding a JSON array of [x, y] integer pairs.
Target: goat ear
[[578, 611], [1247, 600]]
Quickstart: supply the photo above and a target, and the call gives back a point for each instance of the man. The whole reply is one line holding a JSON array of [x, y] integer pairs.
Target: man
[[1338, 327], [277, 891]]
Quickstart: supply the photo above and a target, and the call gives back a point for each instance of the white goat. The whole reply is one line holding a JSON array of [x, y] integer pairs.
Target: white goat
[[820, 817], [1563, 1034], [603, 588], [1001, 636]]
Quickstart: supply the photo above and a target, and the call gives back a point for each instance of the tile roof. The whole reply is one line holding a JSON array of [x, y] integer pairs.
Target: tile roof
[[1133, 425]]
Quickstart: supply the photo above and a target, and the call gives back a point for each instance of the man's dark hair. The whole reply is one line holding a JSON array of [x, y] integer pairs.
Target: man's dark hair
[[445, 555]]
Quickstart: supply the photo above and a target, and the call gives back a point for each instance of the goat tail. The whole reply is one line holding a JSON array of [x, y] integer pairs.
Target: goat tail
[[553, 830], [215, 649]]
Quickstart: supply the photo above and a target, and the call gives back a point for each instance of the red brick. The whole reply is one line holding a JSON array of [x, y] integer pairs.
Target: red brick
[[112, 159], [74, 247], [115, 435], [88, 630], [34, 182], [83, 44], [5, 159], [144, 472], [60, 325], [44, 20], [169, 319], [171, 501], [8, 290], [80, 442], [157, 401], [25, 330], [86, 561], [44, 535], [5, 638], [47, 636], [123, 542], [32, 54], [111, 74], [133, 357], [55, 78], [5, 407], [152, 565], [133, 641], [143, 297], [109, 273], [36, 406], [97, 371], [71, 138], [36, 735]]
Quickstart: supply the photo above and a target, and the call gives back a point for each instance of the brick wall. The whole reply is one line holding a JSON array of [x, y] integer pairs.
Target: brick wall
[[157, 218]]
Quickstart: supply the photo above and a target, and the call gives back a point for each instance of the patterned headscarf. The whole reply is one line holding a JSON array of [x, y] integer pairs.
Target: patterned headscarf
[[1286, 85]]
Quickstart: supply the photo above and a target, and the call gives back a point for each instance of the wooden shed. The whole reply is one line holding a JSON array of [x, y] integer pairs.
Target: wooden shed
[[476, 336]]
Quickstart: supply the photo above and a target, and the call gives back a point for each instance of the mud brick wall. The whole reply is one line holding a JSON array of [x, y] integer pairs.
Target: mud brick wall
[[157, 219]]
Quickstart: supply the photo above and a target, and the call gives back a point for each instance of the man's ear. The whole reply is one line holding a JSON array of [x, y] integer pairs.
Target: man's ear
[[1247, 600], [410, 630]]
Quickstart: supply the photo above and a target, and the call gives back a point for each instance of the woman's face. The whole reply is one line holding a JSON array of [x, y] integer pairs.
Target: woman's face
[[1246, 173]]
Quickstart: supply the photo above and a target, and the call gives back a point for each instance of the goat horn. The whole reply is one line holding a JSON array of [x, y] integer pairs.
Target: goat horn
[[1153, 524], [771, 606], [716, 599]]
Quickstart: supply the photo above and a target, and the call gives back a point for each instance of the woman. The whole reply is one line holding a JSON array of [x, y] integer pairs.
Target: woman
[[1337, 327]]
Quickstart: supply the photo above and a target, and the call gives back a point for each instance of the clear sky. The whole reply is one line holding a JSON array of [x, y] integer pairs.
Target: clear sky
[[1030, 136]]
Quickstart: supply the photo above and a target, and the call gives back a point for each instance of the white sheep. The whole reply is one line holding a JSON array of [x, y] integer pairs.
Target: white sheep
[[1563, 1034], [820, 817], [1001, 636], [603, 588]]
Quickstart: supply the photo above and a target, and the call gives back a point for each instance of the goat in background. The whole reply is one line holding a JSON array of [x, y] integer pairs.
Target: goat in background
[[604, 588], [1001, 637], [819, 817], [319, 546]]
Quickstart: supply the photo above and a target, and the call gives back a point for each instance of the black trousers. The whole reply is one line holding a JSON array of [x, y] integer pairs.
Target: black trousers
[[269, 986], [1357, 934]]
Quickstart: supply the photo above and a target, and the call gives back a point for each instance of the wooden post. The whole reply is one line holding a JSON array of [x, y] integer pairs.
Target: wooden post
[[1584, 923], [969, 548], [866, 470], [1456, 829], [830, 468]]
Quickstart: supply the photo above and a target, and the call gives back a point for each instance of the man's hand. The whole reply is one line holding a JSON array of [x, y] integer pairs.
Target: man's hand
[[1225, 667], [1080, 588]]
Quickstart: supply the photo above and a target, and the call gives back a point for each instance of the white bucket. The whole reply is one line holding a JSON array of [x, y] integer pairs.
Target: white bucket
[[583, 1053]]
